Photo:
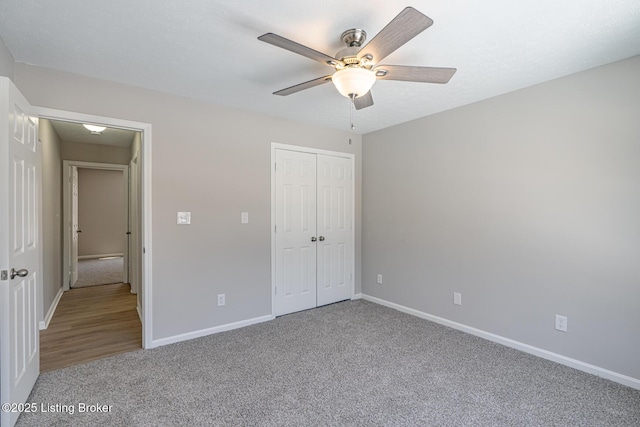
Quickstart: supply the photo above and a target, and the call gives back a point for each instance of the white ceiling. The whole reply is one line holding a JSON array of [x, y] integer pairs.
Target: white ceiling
[[208, 49], [75, 132]]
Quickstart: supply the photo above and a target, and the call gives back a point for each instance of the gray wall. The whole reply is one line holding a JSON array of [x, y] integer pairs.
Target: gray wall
[[214, 162], [95, 153], [52, 215], [101, 212], [6, 61], [528, 204]]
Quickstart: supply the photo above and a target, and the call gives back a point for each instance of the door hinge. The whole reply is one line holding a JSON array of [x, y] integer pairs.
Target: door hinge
[[275, 166], [4, 275]]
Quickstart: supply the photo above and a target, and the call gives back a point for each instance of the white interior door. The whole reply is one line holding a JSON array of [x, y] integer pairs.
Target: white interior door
[[295, 259], [314, 244], [20, 250], [334, 228], [73, 248]]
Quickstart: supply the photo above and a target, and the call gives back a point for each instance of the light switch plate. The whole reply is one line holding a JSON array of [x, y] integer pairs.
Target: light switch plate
[[457, 298], [184, 218], [244, 217]]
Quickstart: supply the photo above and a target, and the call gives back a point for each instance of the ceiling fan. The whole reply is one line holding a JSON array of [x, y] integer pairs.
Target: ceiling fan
[[357, 68]]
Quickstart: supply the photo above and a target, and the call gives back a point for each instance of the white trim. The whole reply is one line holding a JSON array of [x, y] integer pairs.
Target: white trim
[[139, 310], [145, 184], [145, 225], [545, 354], [301, 149], [100, 256], [356, 296], [278, 146], [44, 324], [210, 331]]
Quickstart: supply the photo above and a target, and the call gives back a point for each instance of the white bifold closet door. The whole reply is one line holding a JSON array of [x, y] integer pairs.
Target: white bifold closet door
[[314, 237]]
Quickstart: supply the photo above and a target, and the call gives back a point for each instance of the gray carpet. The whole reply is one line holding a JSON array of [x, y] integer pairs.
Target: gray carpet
[[94, 272], [348, 364]]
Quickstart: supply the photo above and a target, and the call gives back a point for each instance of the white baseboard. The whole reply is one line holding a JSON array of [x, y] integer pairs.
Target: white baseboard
[[99, 256], [210, 331], [356, 296], [44, 324], [554, 357]]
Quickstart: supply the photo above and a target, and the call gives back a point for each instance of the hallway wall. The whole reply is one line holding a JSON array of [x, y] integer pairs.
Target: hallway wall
[[101, 212], [52, 216]]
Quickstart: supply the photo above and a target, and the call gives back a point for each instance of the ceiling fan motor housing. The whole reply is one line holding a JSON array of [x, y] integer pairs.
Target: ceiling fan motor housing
[[354, 37], [348, 55]]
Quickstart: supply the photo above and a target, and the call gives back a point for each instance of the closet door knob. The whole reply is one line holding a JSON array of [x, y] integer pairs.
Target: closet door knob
[[313, 239], [321, 238], [20, 273]]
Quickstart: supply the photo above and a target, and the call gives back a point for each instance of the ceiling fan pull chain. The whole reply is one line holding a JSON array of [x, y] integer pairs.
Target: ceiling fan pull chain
[[351, 103]]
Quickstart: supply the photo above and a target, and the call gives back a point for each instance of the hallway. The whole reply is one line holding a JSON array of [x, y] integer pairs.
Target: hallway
[[91, 323]]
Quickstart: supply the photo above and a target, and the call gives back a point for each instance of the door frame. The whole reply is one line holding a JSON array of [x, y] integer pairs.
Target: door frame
[[278, 146], [66, 213], [145, 186]]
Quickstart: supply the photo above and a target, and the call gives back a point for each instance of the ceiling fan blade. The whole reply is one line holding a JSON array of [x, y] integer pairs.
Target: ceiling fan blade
[[408, 24], [414, 74], [294, 47], [303, 86], [363, 101]]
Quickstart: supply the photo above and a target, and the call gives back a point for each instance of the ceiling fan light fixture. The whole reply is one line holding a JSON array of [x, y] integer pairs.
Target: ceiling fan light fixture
[[94, 129], [353, 81]]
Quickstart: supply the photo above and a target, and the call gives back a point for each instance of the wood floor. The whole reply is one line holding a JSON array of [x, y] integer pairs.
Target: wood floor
[[91, 323]]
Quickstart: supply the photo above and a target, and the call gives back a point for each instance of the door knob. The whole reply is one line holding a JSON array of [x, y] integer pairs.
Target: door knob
[[78, 231], [313, 239], [20, 273], [321, 238]]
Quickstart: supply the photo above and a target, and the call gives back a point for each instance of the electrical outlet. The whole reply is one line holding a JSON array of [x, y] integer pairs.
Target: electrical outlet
[[221, 301], [244, 217], [457, 298], [561, 323], [379, 279]]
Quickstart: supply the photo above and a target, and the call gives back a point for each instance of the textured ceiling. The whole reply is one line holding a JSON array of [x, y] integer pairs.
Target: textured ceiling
[[208, 49]]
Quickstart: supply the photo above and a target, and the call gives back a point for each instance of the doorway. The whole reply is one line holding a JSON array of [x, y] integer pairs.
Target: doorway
[[96, 213], [138, 249], [98, 314], [312, 228]]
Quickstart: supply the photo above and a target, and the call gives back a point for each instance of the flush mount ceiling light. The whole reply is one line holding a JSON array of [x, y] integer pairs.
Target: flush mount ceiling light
[[95, 130], [353, 82]]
